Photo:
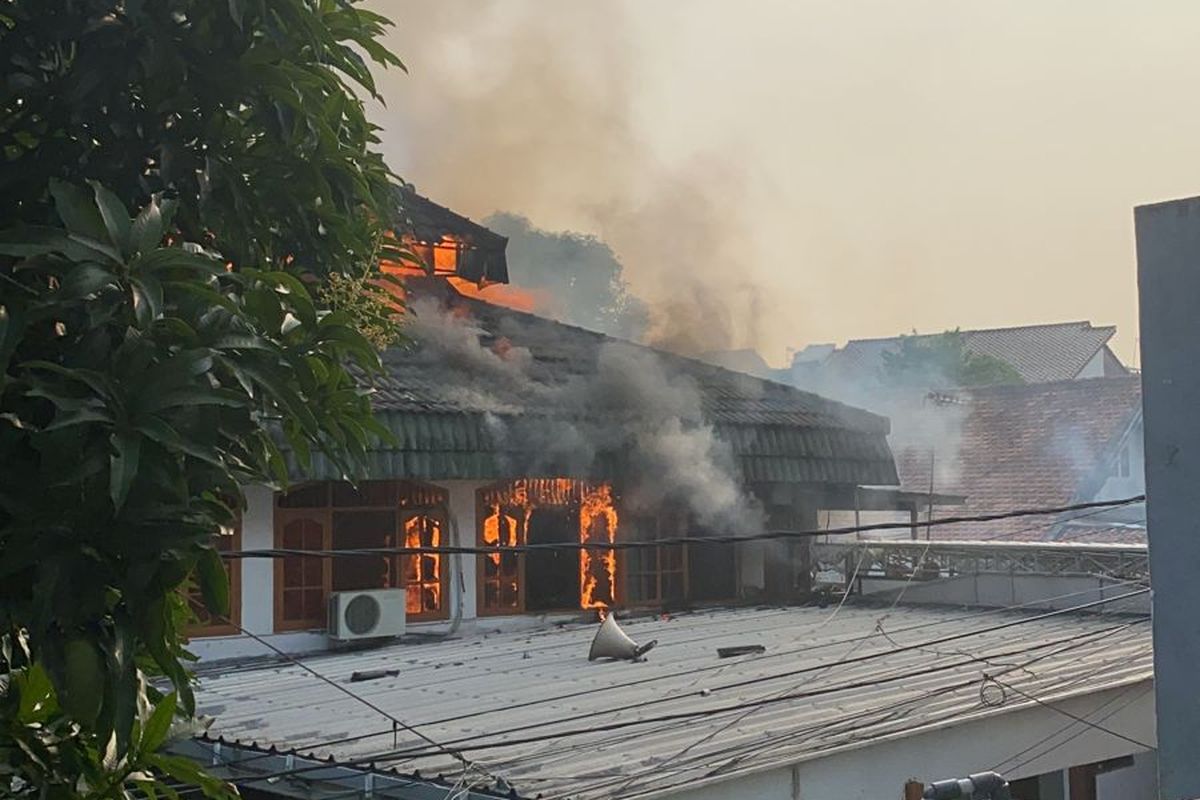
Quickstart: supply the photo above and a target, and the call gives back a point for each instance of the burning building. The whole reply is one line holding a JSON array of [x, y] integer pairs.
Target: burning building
[[521, 451], [509, 429]]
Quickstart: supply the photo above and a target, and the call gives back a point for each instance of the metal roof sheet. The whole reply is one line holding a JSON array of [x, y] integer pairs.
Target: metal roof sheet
[[496, 688]]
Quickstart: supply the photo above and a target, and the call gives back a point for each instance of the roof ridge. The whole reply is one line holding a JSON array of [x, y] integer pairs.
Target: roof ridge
[[1073, 323], [1073, 383], [834, 406]]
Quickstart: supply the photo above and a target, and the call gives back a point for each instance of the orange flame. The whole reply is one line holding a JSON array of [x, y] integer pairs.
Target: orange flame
[[510, 509], [441, 259], [597, 522], [501, 294], [423, 573]]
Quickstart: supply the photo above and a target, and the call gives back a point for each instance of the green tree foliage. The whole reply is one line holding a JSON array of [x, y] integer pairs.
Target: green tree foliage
[[579, 274], [943, 361], [179, 179]]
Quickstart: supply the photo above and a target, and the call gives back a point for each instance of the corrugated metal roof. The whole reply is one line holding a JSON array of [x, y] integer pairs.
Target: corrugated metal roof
[[498, 688]]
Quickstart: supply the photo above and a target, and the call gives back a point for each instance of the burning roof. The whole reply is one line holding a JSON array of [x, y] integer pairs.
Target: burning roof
[[478, 254], [446, 417]]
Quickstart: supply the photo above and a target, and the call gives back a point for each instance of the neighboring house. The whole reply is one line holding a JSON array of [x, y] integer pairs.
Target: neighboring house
[[1039, 353], [1035, 446]]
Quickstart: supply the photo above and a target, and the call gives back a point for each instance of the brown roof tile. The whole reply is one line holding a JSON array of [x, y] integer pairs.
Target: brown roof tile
[[1025, 446]]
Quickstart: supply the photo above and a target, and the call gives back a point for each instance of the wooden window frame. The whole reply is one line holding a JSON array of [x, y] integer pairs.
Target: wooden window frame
[[628, 576], [324, 516], [481, 511], [232, 625], [283, 518]]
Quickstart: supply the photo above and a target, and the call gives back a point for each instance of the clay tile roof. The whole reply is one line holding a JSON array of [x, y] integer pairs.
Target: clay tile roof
[[1027, 446]]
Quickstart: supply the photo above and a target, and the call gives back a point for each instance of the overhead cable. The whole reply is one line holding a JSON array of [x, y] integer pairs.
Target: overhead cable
[[679, 540]]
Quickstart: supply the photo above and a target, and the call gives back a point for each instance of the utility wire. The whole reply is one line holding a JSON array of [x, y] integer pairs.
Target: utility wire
[[1082, 730], [313, 746], [632, 545], [1066, 713], [464, 744], [356, 697], [758, 747]]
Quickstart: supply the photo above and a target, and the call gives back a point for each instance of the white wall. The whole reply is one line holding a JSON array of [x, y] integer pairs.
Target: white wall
[[1094, 368], [1117, 487], [878, 771]]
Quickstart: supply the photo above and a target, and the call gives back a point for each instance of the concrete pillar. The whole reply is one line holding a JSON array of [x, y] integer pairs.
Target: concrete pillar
[[463, 523], [1168, 252], [258, 574]]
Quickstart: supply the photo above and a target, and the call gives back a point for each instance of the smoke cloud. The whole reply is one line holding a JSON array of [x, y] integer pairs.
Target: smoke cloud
[[630, 405], [927, 418], [509, 117]]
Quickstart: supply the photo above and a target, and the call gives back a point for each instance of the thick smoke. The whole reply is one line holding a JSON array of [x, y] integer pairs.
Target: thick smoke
[[501, 114], [631, 406], [926, 416], [577, 278]]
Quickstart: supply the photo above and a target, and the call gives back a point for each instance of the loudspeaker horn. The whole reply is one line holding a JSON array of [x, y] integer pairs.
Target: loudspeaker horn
[[611, 642]]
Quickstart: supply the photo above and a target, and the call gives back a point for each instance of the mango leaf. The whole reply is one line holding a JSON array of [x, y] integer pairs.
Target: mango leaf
[[36, 693], [147, 299], [83, 416], [187, 771], [124, 688], [155, 731], [84, 279], [77, 210], [214, 582], [115, 216], [27, 241], [123, 466], [146, 232]]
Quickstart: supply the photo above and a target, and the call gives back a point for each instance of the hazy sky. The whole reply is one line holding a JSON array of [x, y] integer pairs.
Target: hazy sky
[[833, 169]]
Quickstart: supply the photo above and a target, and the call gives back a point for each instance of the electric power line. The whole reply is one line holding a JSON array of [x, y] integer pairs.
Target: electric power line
[[464, 744], [1082, 730], [758, 747], [313, 746], [1065, 713], [275, 553], [396, 721]]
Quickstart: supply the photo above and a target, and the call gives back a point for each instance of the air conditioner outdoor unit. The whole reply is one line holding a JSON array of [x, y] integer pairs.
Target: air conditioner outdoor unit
[[366, 615]]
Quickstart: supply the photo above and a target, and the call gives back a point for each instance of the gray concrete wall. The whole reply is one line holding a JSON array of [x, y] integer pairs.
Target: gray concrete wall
[[1168, 253]]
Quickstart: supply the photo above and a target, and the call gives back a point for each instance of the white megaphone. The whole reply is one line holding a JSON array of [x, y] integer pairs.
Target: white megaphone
[[611, 642]]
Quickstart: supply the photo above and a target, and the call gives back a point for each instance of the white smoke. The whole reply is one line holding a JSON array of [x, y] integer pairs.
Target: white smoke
[[550, 420]]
